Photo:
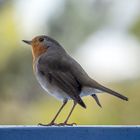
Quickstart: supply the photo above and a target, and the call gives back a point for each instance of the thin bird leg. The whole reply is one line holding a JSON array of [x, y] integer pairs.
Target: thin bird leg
[[65, 122], [53, 121]]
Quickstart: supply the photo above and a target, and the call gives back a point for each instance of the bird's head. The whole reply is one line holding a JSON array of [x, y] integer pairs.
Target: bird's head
[[40, 45]]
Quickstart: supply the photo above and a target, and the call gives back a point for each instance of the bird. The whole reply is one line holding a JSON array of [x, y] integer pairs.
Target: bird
[[62, 76]]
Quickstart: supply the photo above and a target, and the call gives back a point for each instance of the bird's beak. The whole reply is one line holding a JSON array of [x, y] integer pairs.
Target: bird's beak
[[28, 42]]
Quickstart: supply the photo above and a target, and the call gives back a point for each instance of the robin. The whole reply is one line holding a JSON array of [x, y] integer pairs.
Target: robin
[[62, 77]]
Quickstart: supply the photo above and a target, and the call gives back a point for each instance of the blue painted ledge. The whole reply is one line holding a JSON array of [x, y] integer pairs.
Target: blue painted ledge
[[70, 133]]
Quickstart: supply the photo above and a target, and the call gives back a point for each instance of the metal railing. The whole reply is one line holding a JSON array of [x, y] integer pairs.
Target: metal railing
[[100, 132]]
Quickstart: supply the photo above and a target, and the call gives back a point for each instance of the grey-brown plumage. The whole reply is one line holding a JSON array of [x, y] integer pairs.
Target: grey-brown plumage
[[61, 76]]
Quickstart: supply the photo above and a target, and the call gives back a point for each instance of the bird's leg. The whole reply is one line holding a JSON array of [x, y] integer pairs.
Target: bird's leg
[[53, 121], [65, 122]]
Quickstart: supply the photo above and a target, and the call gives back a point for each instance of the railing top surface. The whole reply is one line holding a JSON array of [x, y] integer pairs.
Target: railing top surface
[[75, 126]]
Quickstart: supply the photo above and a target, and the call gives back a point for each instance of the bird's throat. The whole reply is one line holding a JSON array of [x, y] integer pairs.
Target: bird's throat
[[37, 51]]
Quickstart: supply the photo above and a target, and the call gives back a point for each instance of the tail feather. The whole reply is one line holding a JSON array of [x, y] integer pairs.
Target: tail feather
[[96, 99], [113, 93], [80, 102]]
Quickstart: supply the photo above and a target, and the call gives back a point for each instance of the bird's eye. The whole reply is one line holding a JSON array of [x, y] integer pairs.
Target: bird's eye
[[41, 39]]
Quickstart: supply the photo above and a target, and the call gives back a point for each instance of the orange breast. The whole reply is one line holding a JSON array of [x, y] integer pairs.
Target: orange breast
[[36, 52]]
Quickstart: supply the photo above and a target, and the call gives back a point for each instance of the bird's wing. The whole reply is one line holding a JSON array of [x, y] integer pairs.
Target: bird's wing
[[59, 73]]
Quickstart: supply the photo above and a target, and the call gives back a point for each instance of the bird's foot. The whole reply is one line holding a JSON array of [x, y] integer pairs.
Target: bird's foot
[[49, 124], [57, 124], [66, 124]]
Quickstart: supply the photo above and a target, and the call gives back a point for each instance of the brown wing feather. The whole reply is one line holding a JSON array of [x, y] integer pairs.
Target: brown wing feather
[[68, 84]]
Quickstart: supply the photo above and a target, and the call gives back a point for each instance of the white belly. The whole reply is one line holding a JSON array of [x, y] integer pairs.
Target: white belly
[[52, 90], [89, 91]]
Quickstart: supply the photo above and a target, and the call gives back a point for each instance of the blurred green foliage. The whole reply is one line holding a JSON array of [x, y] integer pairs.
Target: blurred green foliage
[[135, 29], [76, 22], [22, 101]]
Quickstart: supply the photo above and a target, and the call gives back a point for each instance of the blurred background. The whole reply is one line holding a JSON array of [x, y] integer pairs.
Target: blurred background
[[102, 35]]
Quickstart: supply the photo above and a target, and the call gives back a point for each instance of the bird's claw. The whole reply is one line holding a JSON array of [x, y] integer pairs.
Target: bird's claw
[[66, 124], [49, 124], [57, 124]]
